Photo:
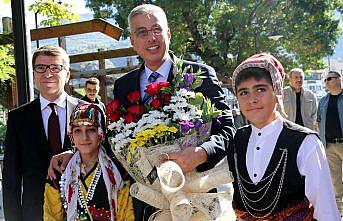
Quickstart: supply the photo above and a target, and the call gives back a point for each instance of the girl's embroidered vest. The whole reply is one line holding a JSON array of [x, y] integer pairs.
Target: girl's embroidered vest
[[293, 188]]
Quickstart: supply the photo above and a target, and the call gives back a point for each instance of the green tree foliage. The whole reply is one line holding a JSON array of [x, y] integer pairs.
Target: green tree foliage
[[54, 12], [225, 32], [6, 62]]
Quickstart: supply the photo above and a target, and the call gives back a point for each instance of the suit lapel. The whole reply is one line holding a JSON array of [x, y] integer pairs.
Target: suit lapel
[[70, 105], [137, 79], [36, 117], [136, 82]]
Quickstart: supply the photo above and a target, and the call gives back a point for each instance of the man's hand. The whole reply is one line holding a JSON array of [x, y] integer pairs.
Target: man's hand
[[188, 159], [59, 163]]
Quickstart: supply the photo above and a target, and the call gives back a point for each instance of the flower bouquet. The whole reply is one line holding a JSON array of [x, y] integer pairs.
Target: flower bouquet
[[176, 117]]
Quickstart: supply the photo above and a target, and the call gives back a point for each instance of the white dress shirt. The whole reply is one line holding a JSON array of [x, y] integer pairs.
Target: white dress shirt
[[311, 163], [163, 71], [61, 113]]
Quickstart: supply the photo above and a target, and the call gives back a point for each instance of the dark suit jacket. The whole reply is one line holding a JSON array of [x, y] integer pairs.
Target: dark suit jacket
[[221, 136], [26, 161], [97, 101]]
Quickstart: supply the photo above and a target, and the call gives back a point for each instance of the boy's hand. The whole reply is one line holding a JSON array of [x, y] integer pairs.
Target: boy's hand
[[188, 159], [59, 163]]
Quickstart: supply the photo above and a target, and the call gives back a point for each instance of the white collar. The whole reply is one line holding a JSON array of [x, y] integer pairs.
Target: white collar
[[163, 70], [270, 128], [60, 101]]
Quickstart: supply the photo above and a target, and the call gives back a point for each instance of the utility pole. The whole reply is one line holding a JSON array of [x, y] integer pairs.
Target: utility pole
[[22, 52]]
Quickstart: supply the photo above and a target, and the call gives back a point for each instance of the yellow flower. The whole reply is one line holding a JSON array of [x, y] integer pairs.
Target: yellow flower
[[150, 137]]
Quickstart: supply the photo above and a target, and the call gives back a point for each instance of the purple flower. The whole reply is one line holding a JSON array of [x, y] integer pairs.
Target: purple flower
[[189, 77], [186, 126], [188, 88], [198, 123]]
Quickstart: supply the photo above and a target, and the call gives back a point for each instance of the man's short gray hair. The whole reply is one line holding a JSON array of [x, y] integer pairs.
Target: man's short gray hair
[[148, 9], [296, 70]]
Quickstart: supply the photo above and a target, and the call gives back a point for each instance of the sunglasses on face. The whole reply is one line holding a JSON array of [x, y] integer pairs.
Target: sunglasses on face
[[330, 78], [90, 90]]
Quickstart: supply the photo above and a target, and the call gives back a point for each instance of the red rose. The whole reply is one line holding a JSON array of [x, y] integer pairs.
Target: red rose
[[156, 103], [113, 106], [164, 84], [135, 109], [114, 116], [153, 88], [166, 98], [129, 118], [134, 96]]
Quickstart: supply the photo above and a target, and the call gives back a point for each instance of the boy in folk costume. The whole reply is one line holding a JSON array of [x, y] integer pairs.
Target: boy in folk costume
[[89, 186], [280, 168]]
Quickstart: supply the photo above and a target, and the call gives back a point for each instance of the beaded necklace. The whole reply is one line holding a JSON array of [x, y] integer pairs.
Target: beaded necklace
[[90, 193], [247, 202]]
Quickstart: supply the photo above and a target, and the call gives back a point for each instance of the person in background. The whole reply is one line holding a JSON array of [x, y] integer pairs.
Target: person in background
[[89, 186], [238, 119], [35, 132], [330, 123], [300, 103], [92, 88]]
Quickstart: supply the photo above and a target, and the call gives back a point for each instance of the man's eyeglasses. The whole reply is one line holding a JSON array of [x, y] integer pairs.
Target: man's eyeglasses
[[143, 32], [90, 90], [330, 78], [54, 68]]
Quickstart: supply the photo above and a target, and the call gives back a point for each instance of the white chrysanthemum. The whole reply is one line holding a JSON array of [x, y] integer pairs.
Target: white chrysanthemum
[[184, 93], [116, 126]]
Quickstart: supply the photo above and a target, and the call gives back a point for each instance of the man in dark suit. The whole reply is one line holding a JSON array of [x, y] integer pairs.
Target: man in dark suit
[[35, 132], [150, 38]]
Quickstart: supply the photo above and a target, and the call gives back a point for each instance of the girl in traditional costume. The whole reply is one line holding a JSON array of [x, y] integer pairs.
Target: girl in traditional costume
[[88, 188]]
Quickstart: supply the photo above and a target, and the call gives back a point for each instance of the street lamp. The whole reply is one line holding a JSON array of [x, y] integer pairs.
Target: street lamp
[[275, 37]]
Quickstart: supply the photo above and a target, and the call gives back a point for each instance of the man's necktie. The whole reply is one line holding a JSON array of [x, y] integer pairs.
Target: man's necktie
[[152, 78], [54, 133]]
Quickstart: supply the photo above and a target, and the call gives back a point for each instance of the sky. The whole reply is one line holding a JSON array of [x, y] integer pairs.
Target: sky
[[79, 7]]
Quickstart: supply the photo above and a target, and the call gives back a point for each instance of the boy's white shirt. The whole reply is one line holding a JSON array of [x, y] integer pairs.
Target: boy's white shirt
[[311, 163]]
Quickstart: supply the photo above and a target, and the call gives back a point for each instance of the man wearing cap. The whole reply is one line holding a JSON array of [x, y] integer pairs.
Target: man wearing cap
[[300, 103], [330, 122]]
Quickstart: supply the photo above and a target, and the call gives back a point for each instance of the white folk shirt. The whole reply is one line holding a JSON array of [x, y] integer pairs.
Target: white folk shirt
[[311, 163], [61, 113], [163, 71]]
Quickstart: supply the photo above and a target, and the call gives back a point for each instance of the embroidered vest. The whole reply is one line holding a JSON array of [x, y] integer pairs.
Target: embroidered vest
[[293, 186]]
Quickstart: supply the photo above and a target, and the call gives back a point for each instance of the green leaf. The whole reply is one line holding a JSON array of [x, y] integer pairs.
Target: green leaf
[[55, 13]]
